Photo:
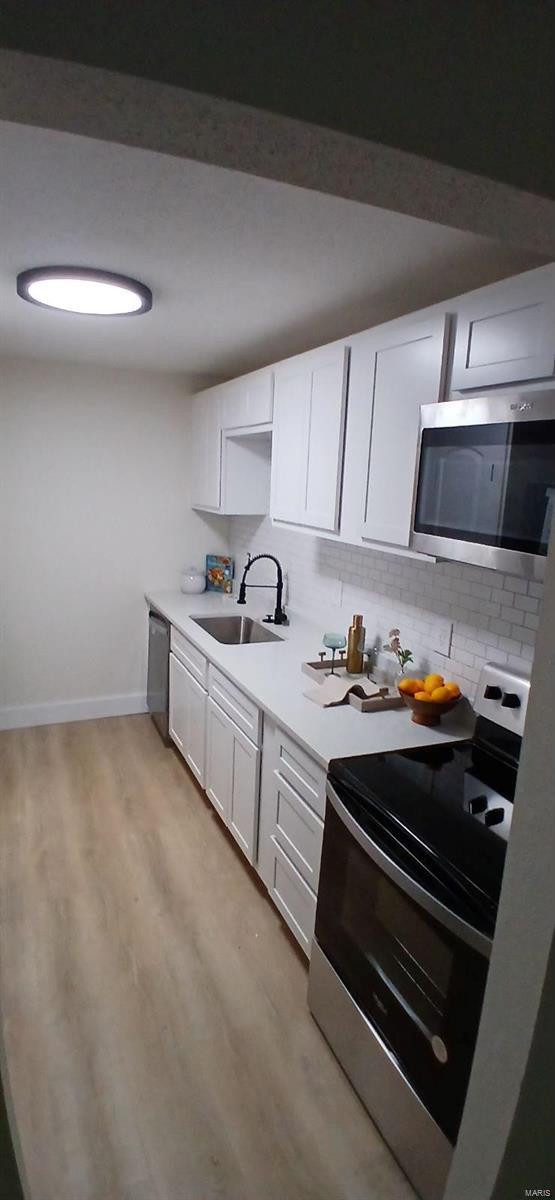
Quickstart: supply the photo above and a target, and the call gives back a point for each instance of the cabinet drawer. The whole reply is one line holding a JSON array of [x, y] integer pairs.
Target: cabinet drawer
[[293, 898], [298, 769], [298, 831], [234, 702], [188, 654]]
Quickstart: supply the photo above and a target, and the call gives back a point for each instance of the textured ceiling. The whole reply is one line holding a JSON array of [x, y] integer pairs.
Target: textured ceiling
[[244, 271]]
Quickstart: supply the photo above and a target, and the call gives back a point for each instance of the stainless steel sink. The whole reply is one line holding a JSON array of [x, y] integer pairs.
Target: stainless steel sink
[[236, 631]]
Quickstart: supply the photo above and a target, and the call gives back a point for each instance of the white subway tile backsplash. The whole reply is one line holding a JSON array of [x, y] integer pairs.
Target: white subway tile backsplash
[[514, 584], [481, 590], [477, 648], [466, 658], [500, 627], [475, 613], [527, 604], [511, 645]]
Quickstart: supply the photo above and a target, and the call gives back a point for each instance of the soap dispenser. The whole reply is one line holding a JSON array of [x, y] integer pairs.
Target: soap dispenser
[[355, 646]]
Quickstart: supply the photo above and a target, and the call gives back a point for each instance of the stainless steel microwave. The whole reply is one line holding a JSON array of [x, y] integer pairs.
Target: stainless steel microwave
[[485, 487]]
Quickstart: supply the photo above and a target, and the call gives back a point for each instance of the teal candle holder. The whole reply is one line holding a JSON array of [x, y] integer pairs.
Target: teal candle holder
[[334, 642]]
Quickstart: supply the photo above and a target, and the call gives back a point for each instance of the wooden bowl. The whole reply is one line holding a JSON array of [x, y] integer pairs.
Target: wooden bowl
[[428, 712]]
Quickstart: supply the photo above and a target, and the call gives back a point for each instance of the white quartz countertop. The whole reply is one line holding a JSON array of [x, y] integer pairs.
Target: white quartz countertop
[[270, 673]]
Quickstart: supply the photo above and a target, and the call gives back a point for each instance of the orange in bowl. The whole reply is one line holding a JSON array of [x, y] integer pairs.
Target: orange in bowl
[[432, 682], [410, 686]]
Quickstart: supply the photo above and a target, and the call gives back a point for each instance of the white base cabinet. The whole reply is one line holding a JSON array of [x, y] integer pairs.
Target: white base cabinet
[[277, 820], [210, 729], [292, 897], [187, 716], [291, 827], [232, 777]]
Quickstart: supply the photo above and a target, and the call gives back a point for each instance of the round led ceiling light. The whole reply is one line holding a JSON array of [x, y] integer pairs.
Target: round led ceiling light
[[84, 290]]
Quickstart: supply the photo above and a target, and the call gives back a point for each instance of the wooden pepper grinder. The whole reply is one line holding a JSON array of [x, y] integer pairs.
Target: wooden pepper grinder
[[355, 646]]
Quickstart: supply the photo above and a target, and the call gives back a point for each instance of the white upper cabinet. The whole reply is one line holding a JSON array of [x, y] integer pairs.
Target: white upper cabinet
[[291, 398], [355, 481], [308, 437], [405, 368], [231, 446], [248, 401], [206, 453], [506, 332]]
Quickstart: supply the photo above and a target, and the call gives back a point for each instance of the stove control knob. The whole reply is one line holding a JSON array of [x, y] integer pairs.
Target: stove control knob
[[492, 693], [495, 816], [510, 700], [478, 804]]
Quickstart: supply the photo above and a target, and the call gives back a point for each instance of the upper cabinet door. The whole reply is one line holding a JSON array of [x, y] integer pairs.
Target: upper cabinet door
[[291, 402], [248, 401], [506, 332], [406, 369], [308, 439], [206, 449], [325, 437]]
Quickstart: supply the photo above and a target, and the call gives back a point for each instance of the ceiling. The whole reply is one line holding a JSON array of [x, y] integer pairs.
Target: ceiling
[[244, 271]]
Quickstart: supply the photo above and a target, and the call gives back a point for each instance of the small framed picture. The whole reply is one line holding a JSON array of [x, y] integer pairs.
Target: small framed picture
[[219, 573]]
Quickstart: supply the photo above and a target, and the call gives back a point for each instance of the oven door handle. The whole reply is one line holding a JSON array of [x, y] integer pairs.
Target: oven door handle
[[455, 924]]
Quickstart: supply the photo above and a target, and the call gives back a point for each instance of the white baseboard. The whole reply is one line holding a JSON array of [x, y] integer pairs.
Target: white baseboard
[[21, 716]]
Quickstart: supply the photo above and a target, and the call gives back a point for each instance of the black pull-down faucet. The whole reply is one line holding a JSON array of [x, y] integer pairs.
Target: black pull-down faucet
[[279, 617]]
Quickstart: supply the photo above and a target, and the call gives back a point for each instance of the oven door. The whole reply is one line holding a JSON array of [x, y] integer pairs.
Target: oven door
[[416, 980], [486, 481]]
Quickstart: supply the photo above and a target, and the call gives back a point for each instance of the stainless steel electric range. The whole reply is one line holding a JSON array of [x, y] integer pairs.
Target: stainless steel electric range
[[412, 861]]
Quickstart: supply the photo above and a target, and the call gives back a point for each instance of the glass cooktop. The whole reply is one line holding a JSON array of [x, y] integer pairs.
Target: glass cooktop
[[435, 800]]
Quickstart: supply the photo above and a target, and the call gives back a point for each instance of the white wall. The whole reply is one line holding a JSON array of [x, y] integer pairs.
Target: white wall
[[94, 509], [494, 616]]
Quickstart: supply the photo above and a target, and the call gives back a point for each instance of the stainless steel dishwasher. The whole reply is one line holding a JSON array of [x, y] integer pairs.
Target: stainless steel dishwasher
[[157, 691]]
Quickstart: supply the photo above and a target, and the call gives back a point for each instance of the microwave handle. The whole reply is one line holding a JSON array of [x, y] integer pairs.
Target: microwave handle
[[455, 924]]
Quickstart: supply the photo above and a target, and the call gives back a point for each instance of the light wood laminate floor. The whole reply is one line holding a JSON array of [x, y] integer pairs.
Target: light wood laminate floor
[[155, 1026]]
